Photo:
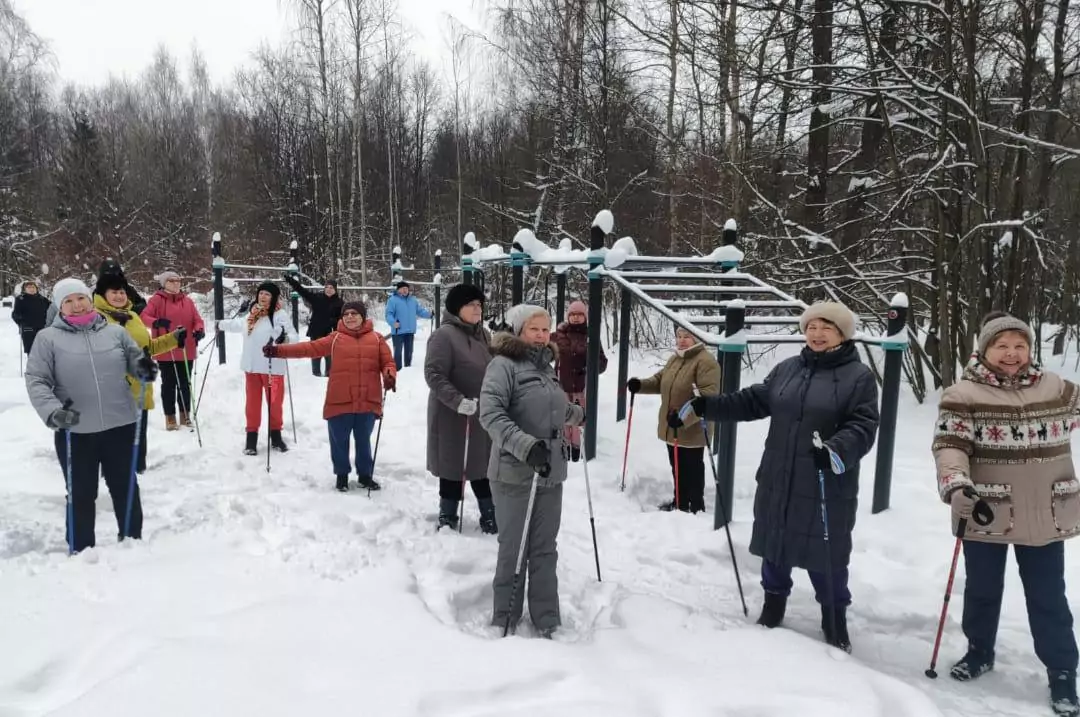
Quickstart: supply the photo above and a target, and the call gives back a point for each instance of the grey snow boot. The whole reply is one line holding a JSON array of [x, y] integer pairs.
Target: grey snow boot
[[487, 516], [448, 514]]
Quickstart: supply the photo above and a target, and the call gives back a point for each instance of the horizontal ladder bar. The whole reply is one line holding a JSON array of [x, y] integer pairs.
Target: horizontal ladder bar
[[709, 289], [752, 304], [749, 320]]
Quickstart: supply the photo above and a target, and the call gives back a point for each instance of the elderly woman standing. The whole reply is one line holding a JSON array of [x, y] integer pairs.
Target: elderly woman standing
[[1004, 429], [824, 390], [76, 377], [524, 409], [167, 310], [457, 357], [572, 338], [691, 365]]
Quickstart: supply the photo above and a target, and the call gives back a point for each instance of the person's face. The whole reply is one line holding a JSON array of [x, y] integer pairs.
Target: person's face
[[264, 299], [403, 291], [76, 305], [30, 289], [684, 339], [472, 313], [576, 317], [117, 298], [172, 285], [537, 330], [329, 290], [352, 318], [822, 335], [1009, 353]]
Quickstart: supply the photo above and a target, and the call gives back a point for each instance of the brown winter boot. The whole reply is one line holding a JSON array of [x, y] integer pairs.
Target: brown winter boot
[[170, 423], [185, 419]]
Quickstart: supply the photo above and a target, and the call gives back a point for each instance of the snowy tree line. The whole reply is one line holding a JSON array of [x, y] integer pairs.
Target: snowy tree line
[[924, 146]]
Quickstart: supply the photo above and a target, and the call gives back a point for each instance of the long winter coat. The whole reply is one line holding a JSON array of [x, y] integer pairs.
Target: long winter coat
[[573, 343], [325, 310], [130, 321], [675, 384], [457, 357], [832, 393], [265, 329], [521, 402], [359, 361], [30, 311], [1011, 441], [90, 366], [180, 310], [404, 310]]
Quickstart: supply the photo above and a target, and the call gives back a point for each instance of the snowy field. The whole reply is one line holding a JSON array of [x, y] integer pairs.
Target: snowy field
[[271, 594]]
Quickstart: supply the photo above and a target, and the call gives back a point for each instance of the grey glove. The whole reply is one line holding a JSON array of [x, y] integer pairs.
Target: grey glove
[[468, 406], [64, 418], [963, 505]]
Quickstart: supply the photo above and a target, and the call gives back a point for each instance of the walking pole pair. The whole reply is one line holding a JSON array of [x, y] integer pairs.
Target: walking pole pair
[[544, 471], [180, 395], [134, 458], [626, 449]]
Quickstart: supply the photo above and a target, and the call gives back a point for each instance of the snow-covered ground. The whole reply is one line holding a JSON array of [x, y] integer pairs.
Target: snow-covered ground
[[260, 593]]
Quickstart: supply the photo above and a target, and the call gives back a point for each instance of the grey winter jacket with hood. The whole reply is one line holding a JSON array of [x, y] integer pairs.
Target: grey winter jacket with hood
[[522, 402], [88, 365]]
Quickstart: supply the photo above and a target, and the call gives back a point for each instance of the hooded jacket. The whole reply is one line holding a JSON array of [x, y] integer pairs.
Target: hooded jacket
[[130, 322], [404, 310], [180, 310], [675, 384], [573, 343], [88, 365]]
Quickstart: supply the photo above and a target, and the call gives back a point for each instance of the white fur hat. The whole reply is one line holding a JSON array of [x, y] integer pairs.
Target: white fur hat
[[519, 315], [835, 313]]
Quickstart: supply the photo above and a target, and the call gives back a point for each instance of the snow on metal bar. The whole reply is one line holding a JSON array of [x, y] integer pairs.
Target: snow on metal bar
[[664, 260], [250, 267], [705, 304], [705, 337], [707, 276], [708, 289], [749, 320]]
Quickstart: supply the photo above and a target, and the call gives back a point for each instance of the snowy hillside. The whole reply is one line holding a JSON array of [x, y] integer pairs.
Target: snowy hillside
[[271, 594]]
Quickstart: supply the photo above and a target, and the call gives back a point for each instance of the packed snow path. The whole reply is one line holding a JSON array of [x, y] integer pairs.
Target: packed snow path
[[271, 594]]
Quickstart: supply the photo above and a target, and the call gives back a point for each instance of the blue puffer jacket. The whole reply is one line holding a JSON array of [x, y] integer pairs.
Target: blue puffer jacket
[[404, 310]]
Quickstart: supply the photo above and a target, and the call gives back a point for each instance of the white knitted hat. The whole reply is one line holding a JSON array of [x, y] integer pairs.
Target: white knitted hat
[[518, 315], [66, 287]]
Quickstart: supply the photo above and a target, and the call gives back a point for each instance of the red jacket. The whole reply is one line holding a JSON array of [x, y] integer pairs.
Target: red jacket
[[359, 361], [573, 343], [180, 311]]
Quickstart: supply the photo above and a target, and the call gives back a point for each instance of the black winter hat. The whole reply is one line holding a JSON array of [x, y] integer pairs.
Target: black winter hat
[[110, 281], [460, 295], [275, 294], [110, 267], [401, 284], [357, 306], [331, 282]]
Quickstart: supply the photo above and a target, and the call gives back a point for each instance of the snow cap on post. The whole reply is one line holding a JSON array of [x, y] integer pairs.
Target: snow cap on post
[[730, 234], [523, 240], [605, 220], [899, 301], [469, 244], [216, 239], [293, 245]]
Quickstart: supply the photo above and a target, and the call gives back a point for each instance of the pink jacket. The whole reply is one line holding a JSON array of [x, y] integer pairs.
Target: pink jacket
[[179, 310]]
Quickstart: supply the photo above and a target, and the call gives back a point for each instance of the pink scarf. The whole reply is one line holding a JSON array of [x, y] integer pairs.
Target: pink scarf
[[83, 320]]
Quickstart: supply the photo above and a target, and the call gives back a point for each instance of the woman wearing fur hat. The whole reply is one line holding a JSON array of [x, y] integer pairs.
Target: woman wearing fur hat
[[111, 268], [325, 313], [362, 368], [76, 377], [457, 357], [167, 309], [827, 390], [1004, 429], [524, 409], [572, 338], [266, 322], [112, 302], [691, 365]]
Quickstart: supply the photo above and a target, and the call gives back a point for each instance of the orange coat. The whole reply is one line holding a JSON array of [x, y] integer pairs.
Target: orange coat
[[359, 360]]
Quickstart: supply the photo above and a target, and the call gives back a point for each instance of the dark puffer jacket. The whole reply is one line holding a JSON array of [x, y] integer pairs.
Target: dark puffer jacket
[[325, 310], [573, 343], [832, 393]]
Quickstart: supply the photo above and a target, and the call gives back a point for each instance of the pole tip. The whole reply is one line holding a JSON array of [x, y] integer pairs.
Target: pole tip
[[931, 673]]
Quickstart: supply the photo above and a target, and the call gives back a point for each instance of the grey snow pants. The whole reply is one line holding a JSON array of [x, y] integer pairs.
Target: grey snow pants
[[541, 555]]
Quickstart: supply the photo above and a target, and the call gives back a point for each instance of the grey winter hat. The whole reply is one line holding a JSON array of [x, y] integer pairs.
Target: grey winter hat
[[165, 276], [999, 322], [519, 315]]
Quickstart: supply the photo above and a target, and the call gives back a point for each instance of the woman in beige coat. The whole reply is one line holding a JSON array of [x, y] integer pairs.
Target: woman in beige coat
[[1004, 430]]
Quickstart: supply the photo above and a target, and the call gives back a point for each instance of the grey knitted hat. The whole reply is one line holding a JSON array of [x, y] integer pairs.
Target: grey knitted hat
[[999, 323]]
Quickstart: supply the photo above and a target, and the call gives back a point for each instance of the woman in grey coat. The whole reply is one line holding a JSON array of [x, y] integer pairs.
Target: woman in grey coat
[[523, 407], [825, 389], [76, 379], [457, 356]]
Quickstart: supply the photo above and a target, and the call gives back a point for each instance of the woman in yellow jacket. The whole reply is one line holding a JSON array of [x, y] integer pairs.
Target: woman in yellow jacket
[[112, 302]]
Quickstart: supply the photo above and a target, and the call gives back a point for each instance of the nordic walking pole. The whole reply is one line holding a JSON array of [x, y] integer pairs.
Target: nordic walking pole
[[378, 435], [269, 398], [70, 483], [20, 355], [464, 477], [544, 470], [723, 509], [626, 450], [198, 401], [292, 411], [134, 458], [191, 414], [592, 518], [676, 454], [983, 515], [828, 546]]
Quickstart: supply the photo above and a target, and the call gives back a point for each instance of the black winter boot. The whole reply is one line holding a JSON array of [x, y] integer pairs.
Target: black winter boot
[[343, 483], [772, 611], [448, 515], [487, 516], [575, 453], [251, 445], [840, 638], [667, 507], [973, 665], [1063, 693], [368, 482], [277, 442]]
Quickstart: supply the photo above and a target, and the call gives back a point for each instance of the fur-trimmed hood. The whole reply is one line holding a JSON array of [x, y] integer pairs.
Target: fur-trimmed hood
[[513, 348]]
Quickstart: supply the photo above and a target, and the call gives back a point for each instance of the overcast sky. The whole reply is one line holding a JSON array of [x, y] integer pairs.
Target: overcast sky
[[93, 38]]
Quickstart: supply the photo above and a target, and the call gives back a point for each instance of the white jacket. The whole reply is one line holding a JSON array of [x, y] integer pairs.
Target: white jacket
[[252, 360]]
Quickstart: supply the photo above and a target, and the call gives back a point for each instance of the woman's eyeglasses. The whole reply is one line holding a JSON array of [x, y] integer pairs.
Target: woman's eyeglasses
[[350, 313]]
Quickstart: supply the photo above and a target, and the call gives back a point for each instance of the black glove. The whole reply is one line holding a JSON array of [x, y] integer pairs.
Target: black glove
[[163, 324], [673, 420], [146, 370], [270, 351], [120, 316], [539, 455], [282, 338], [199, 335], [698, 404], [633, 385], [181, 336], [64, 418], [821, 459], [244, 306]]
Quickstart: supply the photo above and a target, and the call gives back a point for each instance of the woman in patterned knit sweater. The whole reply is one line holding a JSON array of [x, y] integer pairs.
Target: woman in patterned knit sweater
[[1005, 430]]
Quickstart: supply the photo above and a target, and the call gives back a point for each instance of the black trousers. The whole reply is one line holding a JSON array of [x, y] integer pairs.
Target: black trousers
[[28, 336], [105, 453], [691, 493], [140, 467], [175, 386], [316, 366], [452, 489]]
